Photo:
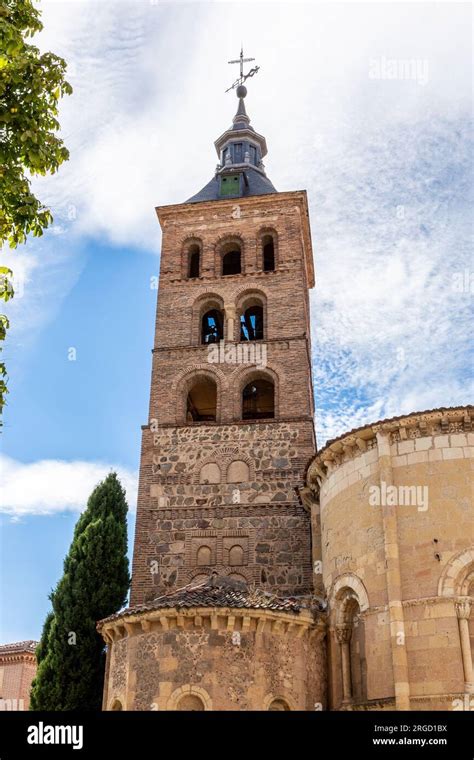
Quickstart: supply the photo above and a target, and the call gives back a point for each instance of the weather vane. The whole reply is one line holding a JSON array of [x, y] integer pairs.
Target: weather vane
[[238, 82]]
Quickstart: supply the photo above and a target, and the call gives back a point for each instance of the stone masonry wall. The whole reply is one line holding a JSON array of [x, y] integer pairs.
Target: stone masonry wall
[[408, 564], [178, 514], [232, 669]]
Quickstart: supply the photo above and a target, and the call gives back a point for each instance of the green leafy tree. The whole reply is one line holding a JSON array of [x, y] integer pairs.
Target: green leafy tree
[[31, 85], [71, 656]]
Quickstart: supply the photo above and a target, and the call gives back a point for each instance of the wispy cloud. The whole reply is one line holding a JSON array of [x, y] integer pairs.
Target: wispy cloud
[[385, 162], [394, 294], [51, 486]]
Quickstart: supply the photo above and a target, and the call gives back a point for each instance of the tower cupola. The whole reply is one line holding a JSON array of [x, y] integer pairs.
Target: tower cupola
[[240, 149]]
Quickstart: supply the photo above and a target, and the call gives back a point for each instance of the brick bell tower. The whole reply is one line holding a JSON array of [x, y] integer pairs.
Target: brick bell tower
[[221, 521], [231, 410]]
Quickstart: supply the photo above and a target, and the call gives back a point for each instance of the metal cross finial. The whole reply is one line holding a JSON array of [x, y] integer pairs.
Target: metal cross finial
[[241, 60]]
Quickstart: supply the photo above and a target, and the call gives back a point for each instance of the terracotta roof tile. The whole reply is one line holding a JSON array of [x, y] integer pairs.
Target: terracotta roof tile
[[218, 591], [18, 646]]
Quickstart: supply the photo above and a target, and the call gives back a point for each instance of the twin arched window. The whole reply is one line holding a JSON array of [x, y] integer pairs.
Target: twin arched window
[[237, 472], [258, 403], [251, 322]]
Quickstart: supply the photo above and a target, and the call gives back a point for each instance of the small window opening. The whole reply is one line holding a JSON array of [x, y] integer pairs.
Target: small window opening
[[251, 324], [231, 263], [202, 402], [258, 400], [212, 327], [268, 254], [279, 705], [194, 262], [238, 153], [190, 703]]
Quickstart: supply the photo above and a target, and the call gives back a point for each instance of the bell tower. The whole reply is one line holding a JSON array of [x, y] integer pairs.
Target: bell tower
[[230, 426], [223, 614]]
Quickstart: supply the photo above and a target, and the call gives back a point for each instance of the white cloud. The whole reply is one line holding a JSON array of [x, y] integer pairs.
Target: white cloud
[[51, 486], [149, 94], [389, 333]]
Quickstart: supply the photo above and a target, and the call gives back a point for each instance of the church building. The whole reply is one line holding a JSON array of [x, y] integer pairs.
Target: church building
[[264, 578]]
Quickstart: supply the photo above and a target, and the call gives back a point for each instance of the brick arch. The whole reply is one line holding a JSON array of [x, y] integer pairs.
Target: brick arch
[[208, 299], [345, 588], [246, 460], [183, 239], [213, 482], [188, 690], [195, 369], [246, 571], [236, 293], [249, 293], [231, 553], [185, 244], [224, 457], [220, 244], [457, 574], [274, 697], [244, 375], [117, 703], [241, 299], [184, 380], [267, 230]]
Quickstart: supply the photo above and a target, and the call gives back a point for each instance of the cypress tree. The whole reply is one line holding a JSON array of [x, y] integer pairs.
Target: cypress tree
[[71, 655]]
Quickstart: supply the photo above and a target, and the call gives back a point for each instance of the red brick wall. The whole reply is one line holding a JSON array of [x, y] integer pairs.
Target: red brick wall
[[175, 512], [18, 673]]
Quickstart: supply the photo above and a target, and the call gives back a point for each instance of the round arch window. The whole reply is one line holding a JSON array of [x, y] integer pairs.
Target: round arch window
[[279, 705], [258, 400], [190, 703]]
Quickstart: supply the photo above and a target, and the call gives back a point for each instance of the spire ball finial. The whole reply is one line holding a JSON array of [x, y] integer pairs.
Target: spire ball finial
[[241, 91]]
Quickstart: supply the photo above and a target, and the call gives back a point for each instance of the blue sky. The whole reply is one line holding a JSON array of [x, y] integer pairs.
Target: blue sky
[[385, 159]]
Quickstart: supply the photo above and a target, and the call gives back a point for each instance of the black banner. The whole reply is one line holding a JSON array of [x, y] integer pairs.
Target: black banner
[[239, 734]]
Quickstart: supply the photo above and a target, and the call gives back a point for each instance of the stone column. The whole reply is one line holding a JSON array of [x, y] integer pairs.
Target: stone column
[[230, 323], [343, 636], [310, 500], [463, 611], [394, 582]]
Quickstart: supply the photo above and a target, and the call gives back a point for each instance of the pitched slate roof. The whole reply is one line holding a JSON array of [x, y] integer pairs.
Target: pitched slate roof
[[257, 184], [218, 591]]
